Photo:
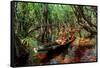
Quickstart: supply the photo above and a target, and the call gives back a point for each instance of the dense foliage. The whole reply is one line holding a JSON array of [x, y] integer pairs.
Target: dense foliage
[[37, 24]]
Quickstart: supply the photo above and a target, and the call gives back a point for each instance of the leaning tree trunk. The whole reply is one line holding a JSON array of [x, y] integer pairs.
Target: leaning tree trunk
[[85, 21]]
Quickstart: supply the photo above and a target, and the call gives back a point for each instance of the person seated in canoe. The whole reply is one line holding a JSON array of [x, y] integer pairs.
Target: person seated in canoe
[[72, 31], [62, 36]]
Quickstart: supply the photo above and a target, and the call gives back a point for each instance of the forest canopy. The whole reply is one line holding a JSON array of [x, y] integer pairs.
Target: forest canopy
[[29, 17]]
